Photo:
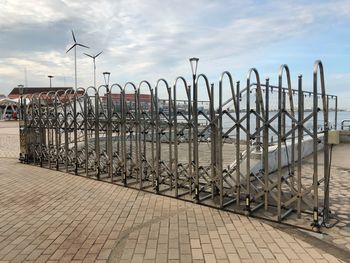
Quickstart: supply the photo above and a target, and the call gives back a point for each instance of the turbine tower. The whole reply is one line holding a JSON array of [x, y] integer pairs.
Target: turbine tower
[[75, 57], [93, 58]]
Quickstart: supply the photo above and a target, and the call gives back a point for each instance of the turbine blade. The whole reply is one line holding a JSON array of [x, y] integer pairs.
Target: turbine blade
[[71, 48], [88, 55], [81, 45], [98, 54], [73, 37]]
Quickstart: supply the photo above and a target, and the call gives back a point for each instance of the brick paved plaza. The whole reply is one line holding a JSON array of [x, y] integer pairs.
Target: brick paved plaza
[[49, 216]]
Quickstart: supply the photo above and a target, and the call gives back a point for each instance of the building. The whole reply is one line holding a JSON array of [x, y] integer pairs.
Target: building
[[8, 109], [15, 93], [145, 100]]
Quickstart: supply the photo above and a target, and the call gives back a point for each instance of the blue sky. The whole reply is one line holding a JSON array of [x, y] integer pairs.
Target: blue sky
[[153, 39]]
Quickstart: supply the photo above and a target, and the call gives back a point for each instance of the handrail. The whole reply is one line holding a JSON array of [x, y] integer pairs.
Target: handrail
[[342, 123], [273, 87]]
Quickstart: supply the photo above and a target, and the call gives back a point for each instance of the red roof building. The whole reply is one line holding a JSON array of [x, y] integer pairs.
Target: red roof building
[[14, 94], [131, 97]]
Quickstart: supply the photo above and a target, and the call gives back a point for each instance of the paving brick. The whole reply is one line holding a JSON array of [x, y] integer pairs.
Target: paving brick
[[209, 258], [195, 243], [58, 254], [197, 253], [48, 215]]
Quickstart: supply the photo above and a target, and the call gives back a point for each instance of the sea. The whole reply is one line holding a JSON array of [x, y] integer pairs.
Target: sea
[[335, 120]]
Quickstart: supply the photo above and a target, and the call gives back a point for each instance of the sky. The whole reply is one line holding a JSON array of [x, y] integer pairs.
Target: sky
[[148, 40]]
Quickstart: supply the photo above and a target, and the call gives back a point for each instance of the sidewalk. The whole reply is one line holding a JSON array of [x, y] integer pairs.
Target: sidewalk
[[49, 216]]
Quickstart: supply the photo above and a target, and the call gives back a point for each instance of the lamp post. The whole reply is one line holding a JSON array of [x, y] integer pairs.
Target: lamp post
[[21, 91], [194, 64]]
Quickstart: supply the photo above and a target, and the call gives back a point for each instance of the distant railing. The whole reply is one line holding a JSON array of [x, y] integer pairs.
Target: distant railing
[[345, 126]]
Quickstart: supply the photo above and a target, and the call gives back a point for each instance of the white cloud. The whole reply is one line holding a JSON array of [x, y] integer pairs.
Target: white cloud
[[151, 39], [16, 13]]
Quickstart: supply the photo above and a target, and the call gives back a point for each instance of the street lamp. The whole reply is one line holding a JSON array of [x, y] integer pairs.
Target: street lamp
[[21, 91], [106, 76], [50, 77], [194, 64], [51, 101]]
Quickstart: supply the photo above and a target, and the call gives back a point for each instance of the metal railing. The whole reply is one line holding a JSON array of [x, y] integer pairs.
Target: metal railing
[[223, 162], [343, 126]]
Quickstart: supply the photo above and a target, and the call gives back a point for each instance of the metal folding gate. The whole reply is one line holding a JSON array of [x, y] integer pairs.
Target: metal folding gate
[[240, 149]]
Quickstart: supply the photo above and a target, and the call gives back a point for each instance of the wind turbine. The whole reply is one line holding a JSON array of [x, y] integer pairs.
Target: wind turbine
[[93, 58], [75, 57]]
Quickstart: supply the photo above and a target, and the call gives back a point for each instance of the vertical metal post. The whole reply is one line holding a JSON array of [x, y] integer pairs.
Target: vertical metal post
[[57, 131], [48, 128], [326, 153], [248, 138], [75, 132], [123, 137], [176, 141], [315, 146], [283, 116], [190, 141], [170, 124], [48, 114], [266, 145], [213, 143], [65, 132], [41, 132], [143, 148], [219, 146], [300, 138], [257, 120], [86, 140], [152, 136], [137, 137], [279, 146], [336, 113], [28, 132], [158, 142], [238, 145], [97, 135], [109, 134], [195, 138], [21, 107]]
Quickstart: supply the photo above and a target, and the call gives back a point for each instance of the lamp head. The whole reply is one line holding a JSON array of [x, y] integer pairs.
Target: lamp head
[[194, 64], [106, 76], [20, 89]]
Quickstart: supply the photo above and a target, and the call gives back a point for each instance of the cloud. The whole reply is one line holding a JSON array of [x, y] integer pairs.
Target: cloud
[[17, 14], [153, 39]]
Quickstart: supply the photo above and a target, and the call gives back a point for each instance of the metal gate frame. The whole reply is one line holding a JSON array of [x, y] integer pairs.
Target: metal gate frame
[[89, 134]]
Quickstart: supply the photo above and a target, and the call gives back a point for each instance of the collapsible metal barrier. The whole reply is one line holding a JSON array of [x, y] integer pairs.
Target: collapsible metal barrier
[[242, 151]]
